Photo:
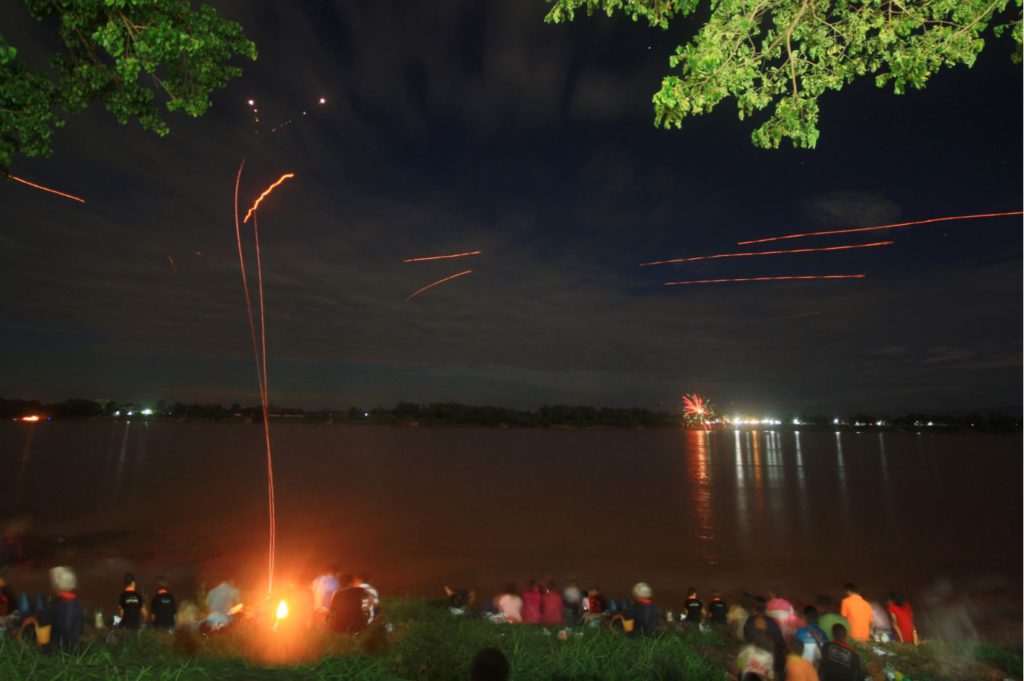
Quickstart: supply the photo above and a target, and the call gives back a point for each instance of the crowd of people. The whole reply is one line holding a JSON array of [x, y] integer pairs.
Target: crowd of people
[[779, 642]]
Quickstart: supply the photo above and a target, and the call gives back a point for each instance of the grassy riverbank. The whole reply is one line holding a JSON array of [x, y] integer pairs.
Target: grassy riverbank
[[427, 644]]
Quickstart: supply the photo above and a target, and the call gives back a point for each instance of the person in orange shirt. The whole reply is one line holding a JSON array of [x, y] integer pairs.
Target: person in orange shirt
[[858, 613], [797, 668]]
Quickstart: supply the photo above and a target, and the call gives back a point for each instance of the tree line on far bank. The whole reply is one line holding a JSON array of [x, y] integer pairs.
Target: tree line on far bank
[[456, 414]]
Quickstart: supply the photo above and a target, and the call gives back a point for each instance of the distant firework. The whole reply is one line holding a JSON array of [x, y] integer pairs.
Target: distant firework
[[826, 232], [845, 247], [695, 405]]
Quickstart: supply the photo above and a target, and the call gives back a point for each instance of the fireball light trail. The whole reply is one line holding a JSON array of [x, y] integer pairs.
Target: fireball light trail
[[784, 278], [266, 192], [442, 257], [265, 400], [779, 252], [260, 381], [45, 189], [437, 283], [876, 227]]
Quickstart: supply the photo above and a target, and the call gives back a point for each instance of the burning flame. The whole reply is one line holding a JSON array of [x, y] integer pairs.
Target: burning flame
[[282, 610], [30, 419]]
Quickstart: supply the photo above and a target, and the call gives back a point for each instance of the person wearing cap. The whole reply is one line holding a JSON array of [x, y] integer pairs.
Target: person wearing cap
[[642, 610]]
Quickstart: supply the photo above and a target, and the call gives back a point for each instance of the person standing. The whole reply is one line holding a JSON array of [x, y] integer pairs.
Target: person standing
[[164, 607], [902, 619], [858, 613], [131, 605], [718, 611], [694, 607]]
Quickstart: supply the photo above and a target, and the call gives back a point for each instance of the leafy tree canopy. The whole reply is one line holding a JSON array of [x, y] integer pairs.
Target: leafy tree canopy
[[783, 55], [125, 53]]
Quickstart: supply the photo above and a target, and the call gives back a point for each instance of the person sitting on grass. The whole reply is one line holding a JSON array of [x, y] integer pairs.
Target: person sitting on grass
[[642, 611], [799, 668], [811, 636], [532, 598], [59, 625], [371, 598], [840, 662], [761, 627], [509, 604], [755, 661], [552, 607], [346, 615], [828, 615]]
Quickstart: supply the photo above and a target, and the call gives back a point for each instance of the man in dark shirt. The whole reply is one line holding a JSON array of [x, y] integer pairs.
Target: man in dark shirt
[[64, 614], [346, 613], [693, 606], [717, 609], [163, 607], [131, 604], [840, 662]]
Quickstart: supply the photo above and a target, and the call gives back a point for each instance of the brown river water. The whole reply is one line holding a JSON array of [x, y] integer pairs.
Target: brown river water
[[418, 508]]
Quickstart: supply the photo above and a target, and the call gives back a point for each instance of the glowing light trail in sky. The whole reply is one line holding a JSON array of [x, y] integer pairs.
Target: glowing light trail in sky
[[45, 189], [798, 277], [442, 257], [438, 283], [260, 376], [778, 252], [877, 227], [266, 193]]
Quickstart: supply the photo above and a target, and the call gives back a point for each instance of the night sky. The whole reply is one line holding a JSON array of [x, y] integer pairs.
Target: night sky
[[453, 126]]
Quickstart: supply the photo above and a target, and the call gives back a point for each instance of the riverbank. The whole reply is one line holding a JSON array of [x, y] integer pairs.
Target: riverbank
[[428, 644]]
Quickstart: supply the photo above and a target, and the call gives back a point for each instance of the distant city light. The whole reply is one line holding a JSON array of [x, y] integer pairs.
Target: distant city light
[[366, 414], [33, 418], [931, 423], [147, 412], [796, 422], [323, 100], [130, 413], [835, 421], [117, 413], [879, 423]]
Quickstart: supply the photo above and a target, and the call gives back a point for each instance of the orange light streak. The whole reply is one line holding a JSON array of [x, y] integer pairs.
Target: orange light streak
[[442, 257], [438, 283], [260, 374], [786, 278], [45, 189], [30, 419], [266, 192], [778, 252], [265, 400], [876, 227]]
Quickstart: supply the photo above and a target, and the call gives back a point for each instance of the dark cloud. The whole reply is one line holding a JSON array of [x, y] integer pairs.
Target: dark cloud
[[463, 125]]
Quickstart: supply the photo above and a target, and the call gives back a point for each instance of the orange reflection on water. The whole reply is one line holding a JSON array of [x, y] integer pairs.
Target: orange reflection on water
[[699, 474]]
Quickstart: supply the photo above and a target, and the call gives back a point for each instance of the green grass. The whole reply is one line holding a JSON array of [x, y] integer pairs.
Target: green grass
[[427, 644]]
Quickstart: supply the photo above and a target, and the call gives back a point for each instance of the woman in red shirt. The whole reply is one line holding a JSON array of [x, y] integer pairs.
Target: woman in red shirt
[[902, 619]]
